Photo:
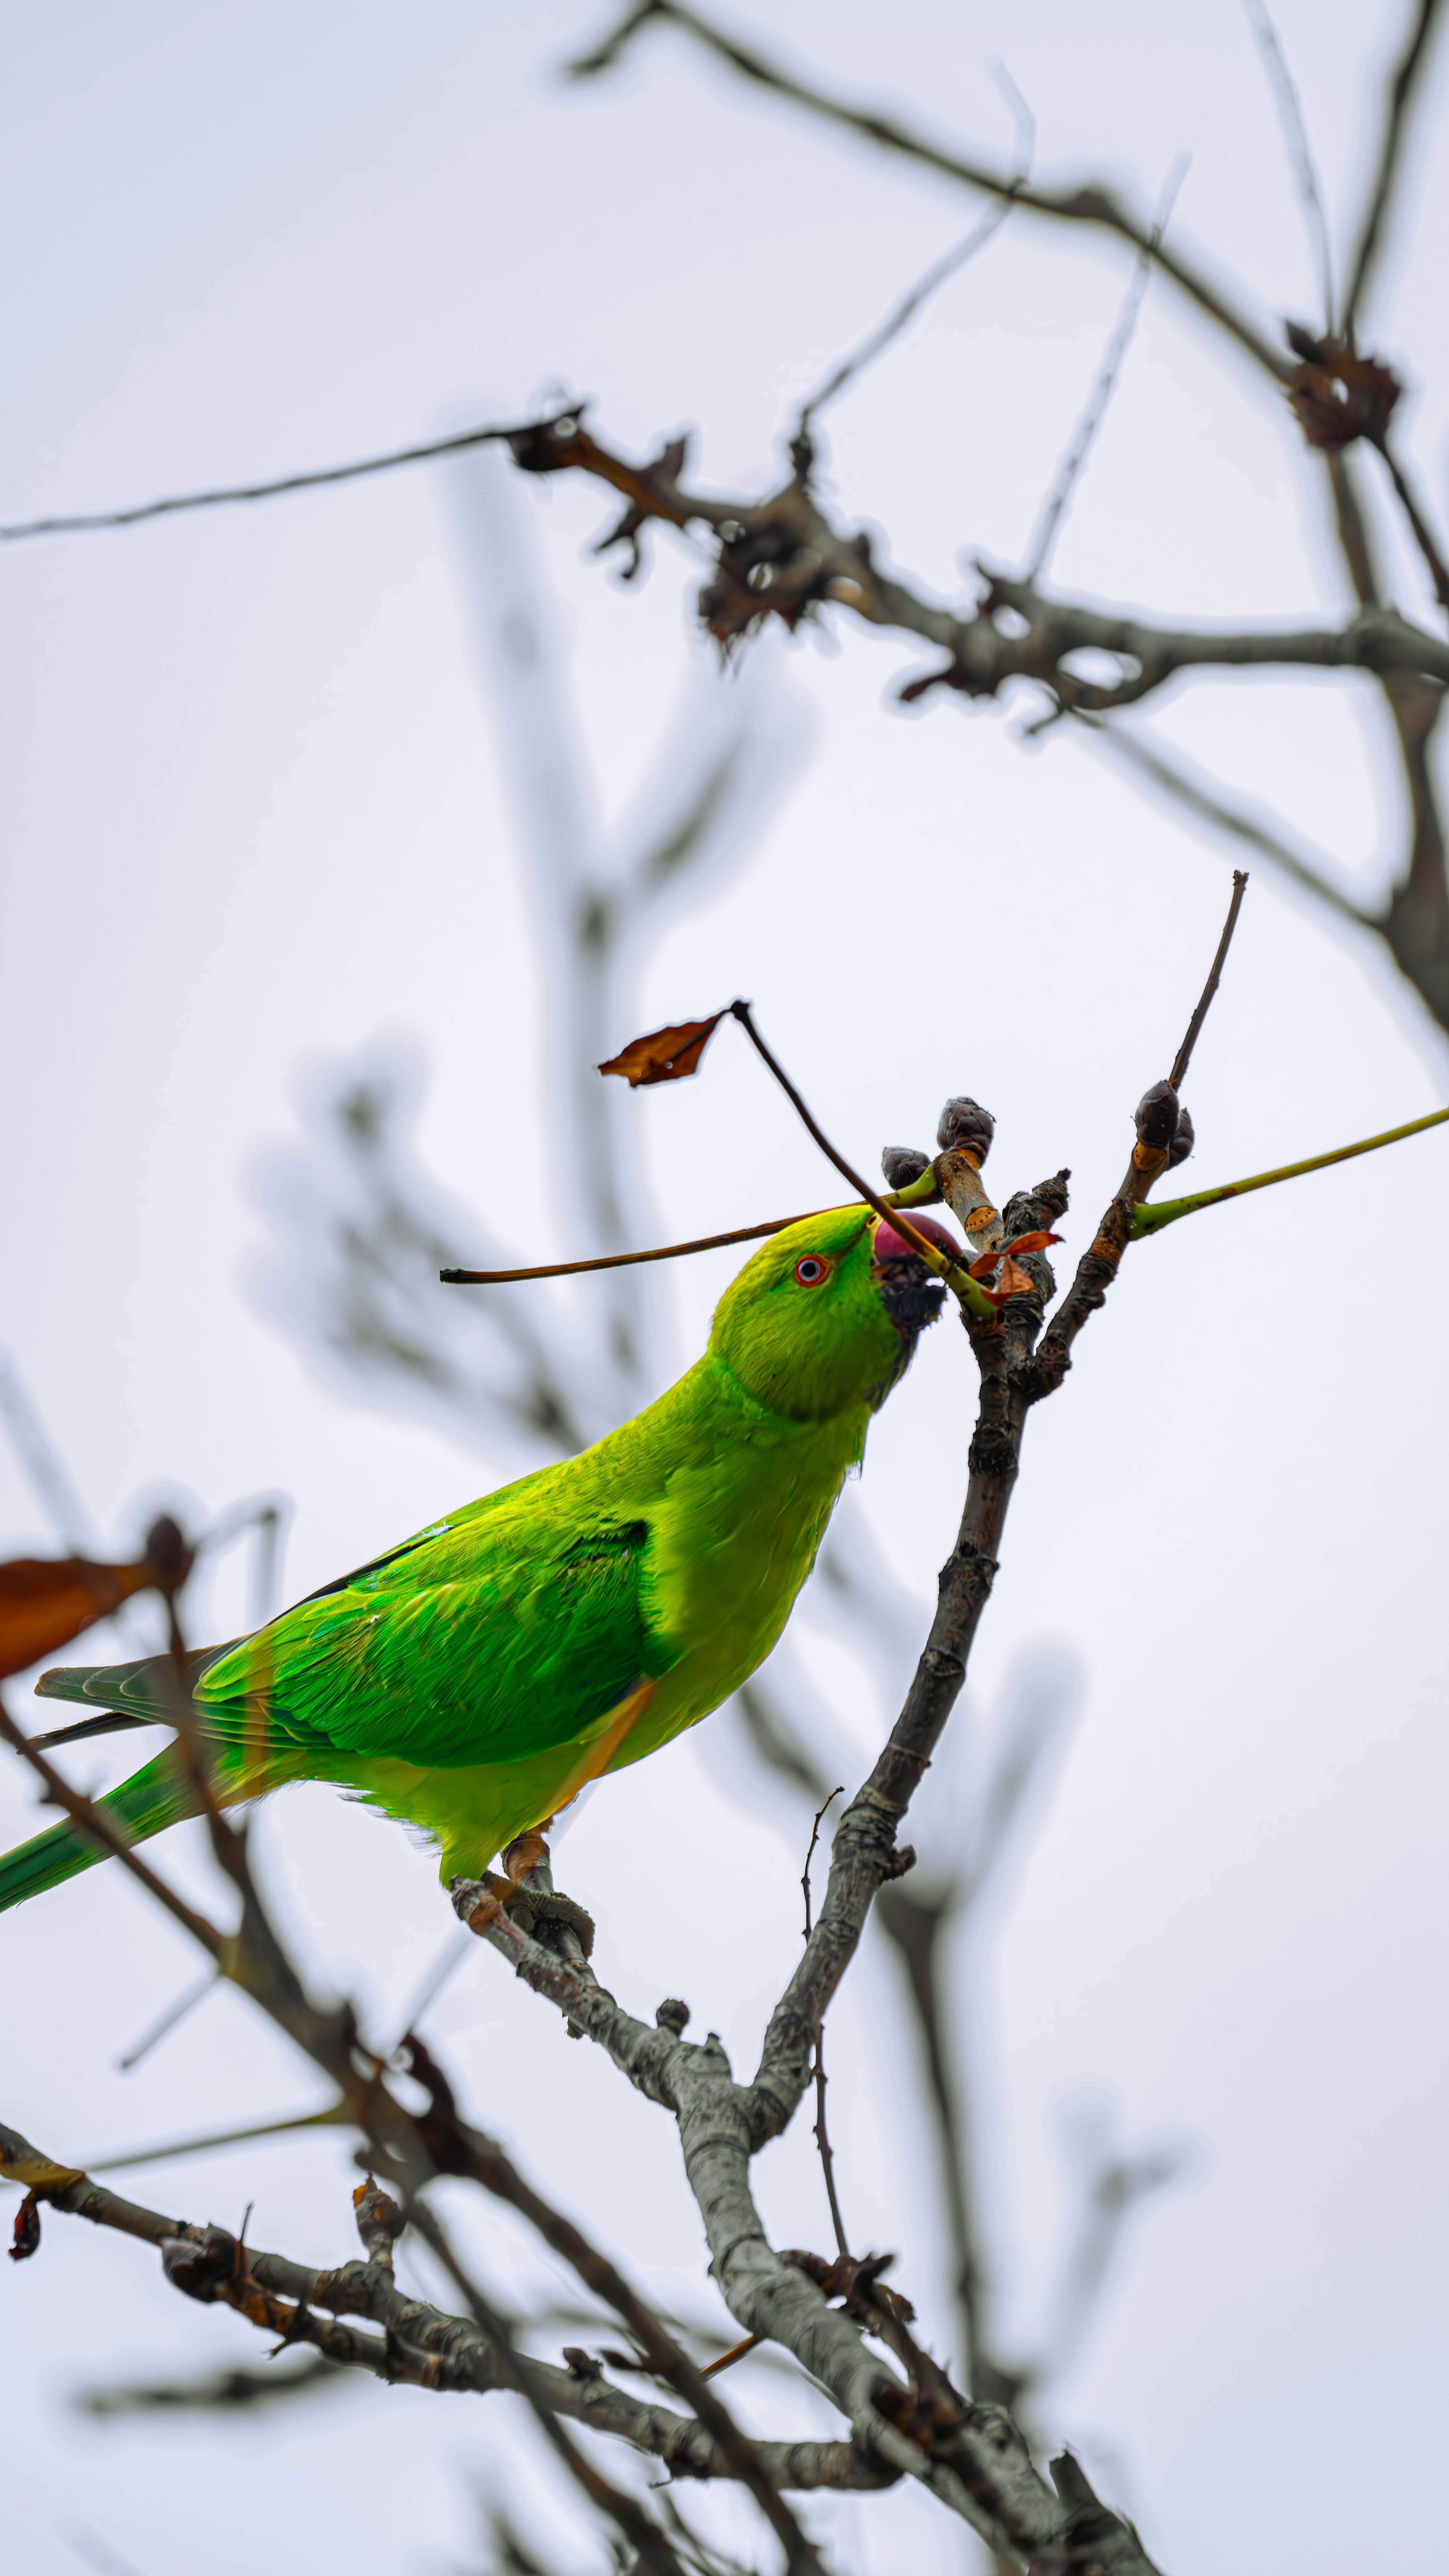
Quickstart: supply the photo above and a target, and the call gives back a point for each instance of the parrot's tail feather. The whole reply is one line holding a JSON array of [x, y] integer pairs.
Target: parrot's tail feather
[[154, 1797], [144, 1689], [111, 1724]]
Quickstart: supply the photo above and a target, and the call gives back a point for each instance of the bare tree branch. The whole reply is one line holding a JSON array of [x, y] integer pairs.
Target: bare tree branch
[[1416, 924], [421, 2346], [784, 557], [1084, 436], [85, 523], [1115, 2183], [1208, 805], [1423, 534], [43, 1463], [1094, 205], [936, 276], [1300, 150], [1402, 91]]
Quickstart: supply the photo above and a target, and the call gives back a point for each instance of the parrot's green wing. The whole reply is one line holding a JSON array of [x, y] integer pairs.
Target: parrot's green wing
[[489, 1637], [485, 1641]]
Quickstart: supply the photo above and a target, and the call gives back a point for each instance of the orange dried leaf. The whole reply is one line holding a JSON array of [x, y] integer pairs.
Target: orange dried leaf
[[983, 1268], [1014, 1281], [26, 2239], [45, 1602], [667, 1055]]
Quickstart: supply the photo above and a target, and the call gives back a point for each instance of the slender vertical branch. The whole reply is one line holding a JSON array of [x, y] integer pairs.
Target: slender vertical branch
[[1424, 537], [1183, 1057], [1084, 437], [827, 2153], [1415, 925], [1402, 91], [1300, 150]]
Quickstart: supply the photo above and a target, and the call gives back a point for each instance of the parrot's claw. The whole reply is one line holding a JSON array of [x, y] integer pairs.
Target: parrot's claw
[[538, 1911], [542, 1913]]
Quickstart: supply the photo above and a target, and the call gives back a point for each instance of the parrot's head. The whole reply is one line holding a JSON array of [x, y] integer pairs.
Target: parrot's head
[[826, 1316]]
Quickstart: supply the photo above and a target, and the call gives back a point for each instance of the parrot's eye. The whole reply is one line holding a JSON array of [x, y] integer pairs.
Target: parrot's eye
[[811, 1270]]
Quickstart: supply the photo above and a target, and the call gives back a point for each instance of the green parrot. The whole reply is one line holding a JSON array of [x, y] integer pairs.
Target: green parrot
[[472, 1680]]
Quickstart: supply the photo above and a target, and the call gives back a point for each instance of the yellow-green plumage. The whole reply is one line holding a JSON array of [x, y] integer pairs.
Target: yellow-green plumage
[[466, 1680]]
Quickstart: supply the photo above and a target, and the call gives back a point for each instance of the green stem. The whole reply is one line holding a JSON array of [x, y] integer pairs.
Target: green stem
[[1150, 1220], [334, 2117]]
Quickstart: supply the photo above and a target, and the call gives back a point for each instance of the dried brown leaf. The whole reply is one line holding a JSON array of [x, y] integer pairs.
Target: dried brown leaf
[[1038, 1242], [667, 1055], [1014, 1280], [1339, 396], [45, 1602], [26, 2240]]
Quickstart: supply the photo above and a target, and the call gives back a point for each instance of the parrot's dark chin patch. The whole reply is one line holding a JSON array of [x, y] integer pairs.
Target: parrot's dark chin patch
[[911, 1295]]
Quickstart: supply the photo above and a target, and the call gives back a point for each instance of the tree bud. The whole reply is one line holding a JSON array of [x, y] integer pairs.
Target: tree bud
[[168, 1554], [967, 1127], [199, 2269], [1156, 1116], [380, 2222], [672, 2015], [903, 1164], [1182, 1143]]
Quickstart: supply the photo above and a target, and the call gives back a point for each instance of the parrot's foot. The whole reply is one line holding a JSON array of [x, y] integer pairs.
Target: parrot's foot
[[525, 1853], [537, 1910]]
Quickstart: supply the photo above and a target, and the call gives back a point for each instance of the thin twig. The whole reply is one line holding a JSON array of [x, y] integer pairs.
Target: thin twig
[[955, 1273], [1122, 1219], [85, 522], [42, 1462], [1183, 1057], [1209, 806], [1069, 472], [727, 2360], [1424, 536], [810, 1853], [620, 1260], [915, 1920], [980, 234], [167, 2021], [892, 1199], [827, 2155], [1300, 151], [822, 2134], [1150, 1220], [1401, 93], [336, 2116]]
